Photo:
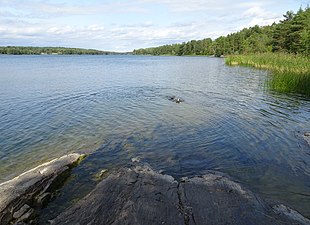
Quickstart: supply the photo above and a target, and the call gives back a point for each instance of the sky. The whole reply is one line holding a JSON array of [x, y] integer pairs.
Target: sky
[[124, 25]]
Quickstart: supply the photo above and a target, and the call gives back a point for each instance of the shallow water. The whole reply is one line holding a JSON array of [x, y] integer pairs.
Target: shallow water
[[117, 108]]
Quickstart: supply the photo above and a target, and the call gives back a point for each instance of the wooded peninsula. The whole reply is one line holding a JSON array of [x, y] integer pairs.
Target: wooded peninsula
[[290, 35]]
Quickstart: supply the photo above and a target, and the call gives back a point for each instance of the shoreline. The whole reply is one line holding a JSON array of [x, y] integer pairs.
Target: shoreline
[[24, 195]]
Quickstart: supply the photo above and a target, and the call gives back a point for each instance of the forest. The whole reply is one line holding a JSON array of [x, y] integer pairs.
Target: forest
[[290, 35], [18, 50]]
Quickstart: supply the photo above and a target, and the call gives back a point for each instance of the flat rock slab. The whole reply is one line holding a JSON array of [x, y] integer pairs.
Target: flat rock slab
[[142, 196], [17, 194]]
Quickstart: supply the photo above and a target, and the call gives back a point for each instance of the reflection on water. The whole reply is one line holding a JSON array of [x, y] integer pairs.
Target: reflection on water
[[117, 108]]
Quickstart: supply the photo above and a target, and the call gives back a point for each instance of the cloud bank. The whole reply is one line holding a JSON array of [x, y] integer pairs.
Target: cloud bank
[[127, 25]]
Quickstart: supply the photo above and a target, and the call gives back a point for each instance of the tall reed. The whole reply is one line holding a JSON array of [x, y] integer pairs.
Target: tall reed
[[290, 73]]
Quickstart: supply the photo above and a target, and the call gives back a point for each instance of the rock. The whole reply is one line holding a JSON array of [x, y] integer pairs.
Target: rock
[[29, 215], [284, 210], [15, 193], [21, 211], [143, 196], [100, 174], [175, 99], [306, 136], [136, 159], [131, 196], [43, 199]]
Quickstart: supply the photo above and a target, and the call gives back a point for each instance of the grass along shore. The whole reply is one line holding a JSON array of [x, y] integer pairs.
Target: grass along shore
[[290, 73]]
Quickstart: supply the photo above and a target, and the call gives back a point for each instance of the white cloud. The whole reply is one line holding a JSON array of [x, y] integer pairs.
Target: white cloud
[[258, 16], [125, 25]]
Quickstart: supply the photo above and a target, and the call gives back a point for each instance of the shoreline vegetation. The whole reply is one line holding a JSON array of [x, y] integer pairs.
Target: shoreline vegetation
[[22, 50], [291, 35], [282, 48], [290, 73]]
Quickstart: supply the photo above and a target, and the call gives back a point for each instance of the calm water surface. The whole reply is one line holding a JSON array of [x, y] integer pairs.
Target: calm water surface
[[116, 108]]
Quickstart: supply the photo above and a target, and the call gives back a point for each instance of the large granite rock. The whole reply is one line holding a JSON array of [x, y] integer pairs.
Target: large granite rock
[[142, 196], [32, 189]]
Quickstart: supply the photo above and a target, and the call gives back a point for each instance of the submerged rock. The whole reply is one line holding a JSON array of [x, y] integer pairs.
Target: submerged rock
[[99, 176], [21, 195], [143, 196], [306, 136]]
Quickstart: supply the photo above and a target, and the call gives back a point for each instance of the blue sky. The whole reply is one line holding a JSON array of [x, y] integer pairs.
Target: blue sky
[[128, 24]]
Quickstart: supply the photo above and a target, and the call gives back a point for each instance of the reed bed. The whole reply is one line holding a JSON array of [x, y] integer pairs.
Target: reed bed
[[290, 73]]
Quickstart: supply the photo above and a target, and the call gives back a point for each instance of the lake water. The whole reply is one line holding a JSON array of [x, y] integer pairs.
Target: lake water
[[117, 108]]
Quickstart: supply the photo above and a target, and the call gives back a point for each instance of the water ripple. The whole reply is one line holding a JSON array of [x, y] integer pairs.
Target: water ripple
[[117, 108]]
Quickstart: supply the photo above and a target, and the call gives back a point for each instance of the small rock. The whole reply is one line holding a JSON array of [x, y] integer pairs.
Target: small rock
[[175, 99], [20, 223], [161, 171], [42, 200], [100, 174], [171, 97], [30, 214], [103, 172], [21, 211], [178, 100], [136, 160]]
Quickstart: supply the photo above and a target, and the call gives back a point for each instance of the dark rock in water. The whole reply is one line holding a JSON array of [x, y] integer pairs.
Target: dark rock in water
[[171, 98], [142, 196], [20, 196], [175, 99], [178, 100]]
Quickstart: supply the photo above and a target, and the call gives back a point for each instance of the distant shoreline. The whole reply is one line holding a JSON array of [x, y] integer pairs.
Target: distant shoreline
[[23, 50]]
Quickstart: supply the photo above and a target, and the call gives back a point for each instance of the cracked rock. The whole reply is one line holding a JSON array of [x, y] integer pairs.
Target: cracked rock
[[143, 196]]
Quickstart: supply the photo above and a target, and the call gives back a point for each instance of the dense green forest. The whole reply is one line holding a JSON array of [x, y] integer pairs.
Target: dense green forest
[[290, 35], [18, 50]]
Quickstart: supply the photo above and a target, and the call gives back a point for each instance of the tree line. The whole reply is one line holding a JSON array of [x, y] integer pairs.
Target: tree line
[[290, 35], [19, 50]]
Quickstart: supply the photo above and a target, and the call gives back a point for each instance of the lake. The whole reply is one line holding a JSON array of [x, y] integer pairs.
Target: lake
[[117, 108]]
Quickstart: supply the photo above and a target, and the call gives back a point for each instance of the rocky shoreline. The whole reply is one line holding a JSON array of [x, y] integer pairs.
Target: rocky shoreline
[[22, 196], [140, 195]]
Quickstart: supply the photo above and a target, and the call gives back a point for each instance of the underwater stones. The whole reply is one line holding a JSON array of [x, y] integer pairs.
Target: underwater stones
[[99, 176], [30, 190]]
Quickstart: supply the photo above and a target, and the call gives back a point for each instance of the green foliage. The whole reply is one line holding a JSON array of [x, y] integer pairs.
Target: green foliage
[[290, 72], [291, 35], [18, 50]]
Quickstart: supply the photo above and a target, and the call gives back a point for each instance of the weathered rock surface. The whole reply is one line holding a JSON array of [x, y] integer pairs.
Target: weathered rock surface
[[142, 196], [31, 189]]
